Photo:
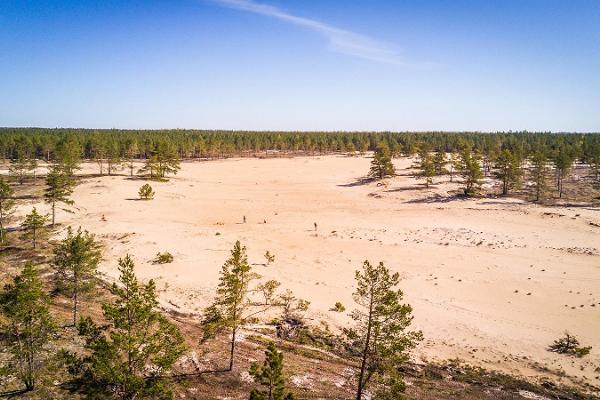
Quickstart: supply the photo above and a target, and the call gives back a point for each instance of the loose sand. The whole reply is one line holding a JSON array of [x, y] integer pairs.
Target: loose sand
[[492, 281]]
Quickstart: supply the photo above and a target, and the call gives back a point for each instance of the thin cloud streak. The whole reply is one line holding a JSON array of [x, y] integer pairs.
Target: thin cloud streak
[[340, 40]]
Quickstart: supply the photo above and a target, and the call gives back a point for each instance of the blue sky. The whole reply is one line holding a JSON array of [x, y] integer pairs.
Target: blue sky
[[301, 65]]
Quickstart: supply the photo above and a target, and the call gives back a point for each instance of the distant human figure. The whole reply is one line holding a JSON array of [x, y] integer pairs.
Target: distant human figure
[[103, 218], [264, 221], [244, 219], [315, 226]]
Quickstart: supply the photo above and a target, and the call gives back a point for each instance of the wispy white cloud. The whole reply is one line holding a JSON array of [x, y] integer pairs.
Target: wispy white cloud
[[340, 40]]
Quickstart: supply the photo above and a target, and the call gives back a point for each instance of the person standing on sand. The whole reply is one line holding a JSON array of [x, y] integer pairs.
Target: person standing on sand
[[315, 226], [244, 219]]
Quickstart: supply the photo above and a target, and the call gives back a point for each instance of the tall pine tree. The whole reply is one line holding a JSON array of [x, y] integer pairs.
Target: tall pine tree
[[129, 356], [28, 326], [59, 187], [470, 170], [381, 165], [228, 311], [539, 172], [7, 205], [380, 337], [508, 171], [34, 226], [76, 260]]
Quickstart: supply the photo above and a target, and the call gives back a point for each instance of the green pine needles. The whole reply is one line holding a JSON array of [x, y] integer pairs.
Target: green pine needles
[[129, 357], [270, 377]]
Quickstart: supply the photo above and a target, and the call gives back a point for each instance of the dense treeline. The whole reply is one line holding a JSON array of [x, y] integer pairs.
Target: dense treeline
[[41, 143]]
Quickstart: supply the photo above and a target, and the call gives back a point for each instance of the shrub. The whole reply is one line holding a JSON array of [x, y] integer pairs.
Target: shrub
[[269, 257], [570, 345], [146, 192], [338, 307], [163, 258]]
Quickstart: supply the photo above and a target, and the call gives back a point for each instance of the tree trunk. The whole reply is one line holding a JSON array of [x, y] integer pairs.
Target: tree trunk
[[75, 298], [363, 364], [1, 225], [53, 211], [233, 333]]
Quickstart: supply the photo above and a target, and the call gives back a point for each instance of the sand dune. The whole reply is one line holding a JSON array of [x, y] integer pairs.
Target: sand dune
[[493, 281]]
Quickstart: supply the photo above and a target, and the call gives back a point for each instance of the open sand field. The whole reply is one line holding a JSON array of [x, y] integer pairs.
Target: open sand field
[[492, 281]]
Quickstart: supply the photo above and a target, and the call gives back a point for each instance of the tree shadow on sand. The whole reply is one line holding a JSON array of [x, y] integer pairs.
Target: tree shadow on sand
[[359, 182], [438, 198]]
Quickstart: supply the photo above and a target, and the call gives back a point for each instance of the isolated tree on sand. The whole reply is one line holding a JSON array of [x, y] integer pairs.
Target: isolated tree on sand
[[34, 226], [508, 171], [146, 192], [28, 326], [380, 337], [231, 303], [539, 174], [470, 170], [381, 165], [129, 356], [270, 377], [425, 165], [76, 260], [7, 205], [59, 188]]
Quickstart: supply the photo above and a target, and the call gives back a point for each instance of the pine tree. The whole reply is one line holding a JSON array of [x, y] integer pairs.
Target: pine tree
[[381, 165], [132, 152], [380, 336], [7, 205], [439, 163], [34, 226], [146, 192], [76, 260], [270, 377], [59, 187], [470, 170], [539, 172], [22, 166], [129, 356], [68, 155], [454, 165], [508, 171], [113, 158], [563, 163], [231, 303], [28, 326], [425, 164], [99, 154], [163, 161]]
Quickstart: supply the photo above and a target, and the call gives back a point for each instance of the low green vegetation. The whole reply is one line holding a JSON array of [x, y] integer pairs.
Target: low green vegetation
[[163, 258], [338, 307], [146, 192], [569, 344]]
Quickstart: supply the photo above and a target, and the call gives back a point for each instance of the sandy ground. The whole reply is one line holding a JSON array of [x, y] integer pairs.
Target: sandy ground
[[492, 281]]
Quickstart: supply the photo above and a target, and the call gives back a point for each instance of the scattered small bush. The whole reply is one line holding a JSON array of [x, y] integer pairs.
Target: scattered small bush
[[338, 307], [269, 257], [570, 345], [163, 258], [146, 192]]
